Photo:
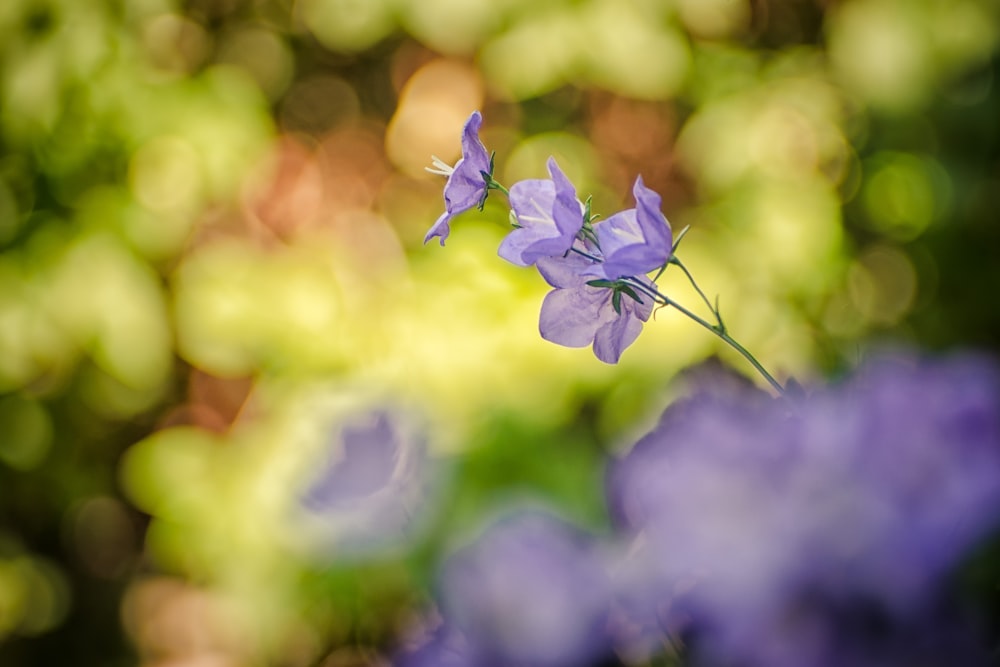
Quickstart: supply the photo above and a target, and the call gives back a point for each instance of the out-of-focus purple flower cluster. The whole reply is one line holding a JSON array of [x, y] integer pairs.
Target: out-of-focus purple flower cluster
[[532, 591], [601, 294], [817, 530], [371, 492], [814, 530]]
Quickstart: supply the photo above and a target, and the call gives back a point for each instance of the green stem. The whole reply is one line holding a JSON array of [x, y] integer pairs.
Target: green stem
[[718, 318], [718, 331], [494, 184]]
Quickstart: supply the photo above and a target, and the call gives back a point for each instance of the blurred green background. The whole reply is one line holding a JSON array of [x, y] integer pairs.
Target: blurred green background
[[211, 216]]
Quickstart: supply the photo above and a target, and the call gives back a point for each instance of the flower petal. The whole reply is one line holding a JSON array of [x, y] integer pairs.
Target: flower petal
[[549, 215], [570, 317], [532, 202], [611, 339], [635, 241], [566, 272], [440, 228]]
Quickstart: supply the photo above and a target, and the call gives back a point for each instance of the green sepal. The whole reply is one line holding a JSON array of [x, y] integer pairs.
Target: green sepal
[[600, 282], [512, 217], [616, 301], [628, 290], [677, 241]]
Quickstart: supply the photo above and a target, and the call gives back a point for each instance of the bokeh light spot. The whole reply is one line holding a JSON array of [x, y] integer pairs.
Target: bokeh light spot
[[454, 27], [433, 106], [262, 54], [348, 25], [630, 54], [882, 283], [25, 432], [904, 193], [34, 596], [104, 536], [714, 19], [879, 50], [534, 56], [317, 104], [164, 174]]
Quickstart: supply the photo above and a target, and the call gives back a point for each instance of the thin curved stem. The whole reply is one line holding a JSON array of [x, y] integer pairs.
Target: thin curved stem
[[718, 331], [718, 318]]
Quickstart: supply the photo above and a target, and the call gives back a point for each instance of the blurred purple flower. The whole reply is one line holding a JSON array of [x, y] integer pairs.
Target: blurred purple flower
[[444, 647], [466, 186], [532, 591], [576, 314], [367, 495], [636, 241], [549, 215], [816, 530]]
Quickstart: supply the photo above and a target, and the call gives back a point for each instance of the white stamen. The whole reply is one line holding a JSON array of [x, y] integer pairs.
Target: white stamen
[[441, 168], [544, 217]]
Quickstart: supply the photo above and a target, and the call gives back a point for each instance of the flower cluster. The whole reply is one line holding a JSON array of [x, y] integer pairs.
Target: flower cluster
[[813, 530], [601, 293], [816, 530]]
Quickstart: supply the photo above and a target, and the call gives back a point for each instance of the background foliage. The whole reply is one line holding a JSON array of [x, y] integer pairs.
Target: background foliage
[[211, 216]]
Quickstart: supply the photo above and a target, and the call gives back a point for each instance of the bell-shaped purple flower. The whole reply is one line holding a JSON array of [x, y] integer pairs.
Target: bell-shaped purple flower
[[443, 647], [816, 530], [367, 496], [636, 241], [466, 186], [549, 217], [531, 591], [576, 314]]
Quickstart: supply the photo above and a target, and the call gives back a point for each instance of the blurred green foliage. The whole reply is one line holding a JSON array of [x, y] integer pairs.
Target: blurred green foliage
[[210, 224]]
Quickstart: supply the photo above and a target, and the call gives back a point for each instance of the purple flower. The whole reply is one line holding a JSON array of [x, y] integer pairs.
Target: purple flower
[[531, 591], [549, 215], [444, 647], [366, 496], [636, 241], [816, 530], [466, 186], [576, 314]]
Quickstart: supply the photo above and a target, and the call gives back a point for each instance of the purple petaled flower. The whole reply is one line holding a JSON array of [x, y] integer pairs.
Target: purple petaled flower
[[466, 186], [576, 314], [531, 591], [814, 531], [549, 217], [366, 496], [443, 647], [636, 241]]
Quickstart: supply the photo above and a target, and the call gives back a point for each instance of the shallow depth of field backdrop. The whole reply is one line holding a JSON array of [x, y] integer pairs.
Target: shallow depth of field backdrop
[[211, 225]]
